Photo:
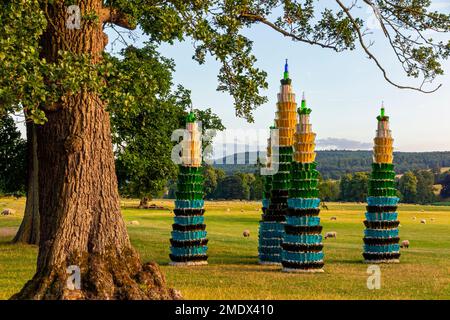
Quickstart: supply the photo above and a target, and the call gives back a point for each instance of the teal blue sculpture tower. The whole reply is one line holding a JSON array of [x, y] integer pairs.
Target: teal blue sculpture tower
[[381, 236], [271, 226], [188, 242], [302, 240]]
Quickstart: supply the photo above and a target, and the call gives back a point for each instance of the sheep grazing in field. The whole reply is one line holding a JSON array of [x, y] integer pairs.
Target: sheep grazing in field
[[331, 234], [246, 233], [423, 221], [333, 218], [405, 244], [8, 212], [134, 223]]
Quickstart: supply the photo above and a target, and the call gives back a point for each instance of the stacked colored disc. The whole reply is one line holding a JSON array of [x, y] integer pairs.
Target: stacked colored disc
[[286, 115], [188, 242], [266, 192], [381, 236], [304, 138], [302, 241], [267, 178], [271, 227]]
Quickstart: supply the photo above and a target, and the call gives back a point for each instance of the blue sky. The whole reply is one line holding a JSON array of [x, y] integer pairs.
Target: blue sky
[[344, 90]]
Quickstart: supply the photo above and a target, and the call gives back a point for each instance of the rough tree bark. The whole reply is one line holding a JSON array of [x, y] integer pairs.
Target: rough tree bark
[[29, 228], [81, 223]]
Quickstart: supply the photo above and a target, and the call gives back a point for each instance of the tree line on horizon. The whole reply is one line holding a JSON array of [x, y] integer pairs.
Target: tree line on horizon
[[333, 164]]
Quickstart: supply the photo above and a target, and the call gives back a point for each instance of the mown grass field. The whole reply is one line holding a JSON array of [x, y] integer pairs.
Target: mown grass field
[[233, 271]]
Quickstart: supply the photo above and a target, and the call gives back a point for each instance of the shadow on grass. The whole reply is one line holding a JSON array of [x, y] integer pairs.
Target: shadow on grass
[[346, 261], [6, 241], [148, 210], [221, 261], [150, 217]]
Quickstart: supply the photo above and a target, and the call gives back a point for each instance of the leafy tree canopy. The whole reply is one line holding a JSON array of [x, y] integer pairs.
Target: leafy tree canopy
[[12, 157], [143, 120], [425, 182], [408, 187], [215, 28], [445, 191], [233, 187], [329, 190], [353, 187]]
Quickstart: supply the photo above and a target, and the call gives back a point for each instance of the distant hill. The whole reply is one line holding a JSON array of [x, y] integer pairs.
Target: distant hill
[[332, 164]]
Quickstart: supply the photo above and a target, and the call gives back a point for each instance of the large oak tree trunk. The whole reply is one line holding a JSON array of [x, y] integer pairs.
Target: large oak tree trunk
[[81, 223], [29, 228]]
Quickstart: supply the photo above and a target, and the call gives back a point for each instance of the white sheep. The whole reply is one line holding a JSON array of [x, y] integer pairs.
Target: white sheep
[[134, 223], [331, 234], [8, 212], [405, 244], [423, 221], [333, 218], [246, 233]]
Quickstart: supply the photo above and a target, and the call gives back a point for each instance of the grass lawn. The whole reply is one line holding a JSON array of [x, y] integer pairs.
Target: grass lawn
[[233, 271]]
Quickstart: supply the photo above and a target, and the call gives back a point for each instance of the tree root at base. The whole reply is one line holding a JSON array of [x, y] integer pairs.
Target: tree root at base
[[101, 279]]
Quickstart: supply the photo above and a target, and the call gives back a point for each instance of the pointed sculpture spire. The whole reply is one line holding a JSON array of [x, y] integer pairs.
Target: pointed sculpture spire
[[286, 70], [382, 116], [286, 80], [303, 104], [303, 109], [191, 115]]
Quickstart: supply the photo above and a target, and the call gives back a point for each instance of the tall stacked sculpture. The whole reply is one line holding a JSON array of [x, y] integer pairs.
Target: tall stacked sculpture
[[271, 227], [267, 178], [381, 235], [188, 242], [302, 241]]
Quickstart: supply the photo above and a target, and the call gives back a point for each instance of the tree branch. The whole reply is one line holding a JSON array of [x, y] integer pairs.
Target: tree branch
[[258, 18], [371, 56], [114, 16]]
